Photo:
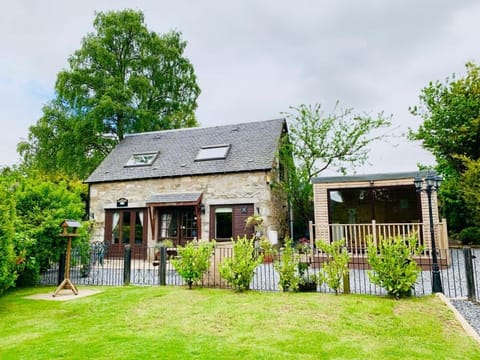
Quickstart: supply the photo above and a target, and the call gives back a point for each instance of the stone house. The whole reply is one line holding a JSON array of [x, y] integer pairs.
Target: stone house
[[185, 184], [375, 205]]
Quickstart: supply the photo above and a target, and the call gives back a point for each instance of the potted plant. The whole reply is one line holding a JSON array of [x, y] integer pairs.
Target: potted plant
[[307, 281], [268, 250], [257, 222], [167, 244], [303, 245]]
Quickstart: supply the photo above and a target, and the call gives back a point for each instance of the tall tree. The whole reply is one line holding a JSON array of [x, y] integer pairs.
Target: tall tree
[[123, 79], [451, 131], [451, 119], [318, 141]]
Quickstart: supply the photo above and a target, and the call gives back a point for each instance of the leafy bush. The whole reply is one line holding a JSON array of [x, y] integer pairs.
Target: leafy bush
[[41, 204], [469, 188], [32, 207], [239, 269], [470, 235], [27, 266], [336, 267], [287, 267], [7, 254], [193, 260], [393, 267]]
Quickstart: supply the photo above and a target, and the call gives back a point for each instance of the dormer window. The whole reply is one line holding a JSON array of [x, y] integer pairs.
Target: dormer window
[[143, 159], [213, 152]]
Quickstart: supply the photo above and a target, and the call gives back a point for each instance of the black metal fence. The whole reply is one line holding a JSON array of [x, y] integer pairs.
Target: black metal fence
[[460, 273]]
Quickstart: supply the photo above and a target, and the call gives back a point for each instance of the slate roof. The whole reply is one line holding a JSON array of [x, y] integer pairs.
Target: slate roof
[[176, 197], [253, 147]]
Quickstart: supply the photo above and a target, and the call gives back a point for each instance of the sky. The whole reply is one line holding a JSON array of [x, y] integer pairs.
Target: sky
[[256, 59]]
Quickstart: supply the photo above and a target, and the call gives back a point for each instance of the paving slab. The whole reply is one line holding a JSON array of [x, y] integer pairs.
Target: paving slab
[[64, 295]]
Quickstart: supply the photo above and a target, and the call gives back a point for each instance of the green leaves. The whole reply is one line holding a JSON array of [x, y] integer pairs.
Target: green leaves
[[318, 141], [7, 233], [40, 203], [123, 79], [193, 260], [451, 118], [393, 267], [470, 189], [336, 266], [451, 132], [239, 269], [288, 267], [338, 139]]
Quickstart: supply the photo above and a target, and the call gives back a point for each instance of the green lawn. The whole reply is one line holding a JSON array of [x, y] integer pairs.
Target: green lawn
[[175, 323]]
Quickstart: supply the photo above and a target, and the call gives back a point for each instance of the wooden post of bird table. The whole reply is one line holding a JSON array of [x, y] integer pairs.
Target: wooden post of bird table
[[66, 283]]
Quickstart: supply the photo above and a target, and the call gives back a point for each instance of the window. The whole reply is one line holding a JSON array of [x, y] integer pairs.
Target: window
[[125, 237], [143, 159], [168, 225], [385, 205], [178, 224], [189, 221], [223, 223], [396, 205], [228, 221], [350, 206], [213, 152], [125, 226]]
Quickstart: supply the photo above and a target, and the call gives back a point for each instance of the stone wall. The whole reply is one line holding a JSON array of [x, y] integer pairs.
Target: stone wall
[[217, 189]]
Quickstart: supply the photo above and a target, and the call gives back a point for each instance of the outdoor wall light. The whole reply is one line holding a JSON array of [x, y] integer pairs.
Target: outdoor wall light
[[202, 208]]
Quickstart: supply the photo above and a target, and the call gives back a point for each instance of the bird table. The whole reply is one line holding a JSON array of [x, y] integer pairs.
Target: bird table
[[66, 283]]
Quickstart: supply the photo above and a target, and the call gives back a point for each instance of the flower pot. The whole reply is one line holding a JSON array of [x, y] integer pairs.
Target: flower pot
[[307, 287]]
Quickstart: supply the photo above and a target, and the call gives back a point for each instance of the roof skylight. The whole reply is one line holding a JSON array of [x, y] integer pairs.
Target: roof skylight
[[213, 152], [144, 159]]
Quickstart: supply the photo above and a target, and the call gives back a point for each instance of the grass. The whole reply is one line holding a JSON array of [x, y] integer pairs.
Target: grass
[[175, 323]]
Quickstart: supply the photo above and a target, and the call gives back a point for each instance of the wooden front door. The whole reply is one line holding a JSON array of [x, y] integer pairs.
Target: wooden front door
[[178, 224]]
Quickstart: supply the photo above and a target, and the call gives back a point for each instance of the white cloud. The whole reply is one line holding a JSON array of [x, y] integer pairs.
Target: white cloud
[[255, 59]]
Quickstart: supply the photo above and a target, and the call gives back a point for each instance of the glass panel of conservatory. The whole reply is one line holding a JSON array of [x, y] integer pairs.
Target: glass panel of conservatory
[[350, 206]]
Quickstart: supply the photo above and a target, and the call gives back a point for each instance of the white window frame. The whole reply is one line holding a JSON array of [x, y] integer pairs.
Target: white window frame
[[142, 159]]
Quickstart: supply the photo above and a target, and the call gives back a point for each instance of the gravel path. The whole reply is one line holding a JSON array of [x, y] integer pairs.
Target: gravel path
[[470, 312]]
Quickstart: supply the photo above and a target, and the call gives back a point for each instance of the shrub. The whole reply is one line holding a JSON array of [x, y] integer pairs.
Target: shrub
[[393, 267], [7, 255], [336, 267], [42, 203], [239, 269], [27, 266], [193, 260], [470, 235], [287, 267]]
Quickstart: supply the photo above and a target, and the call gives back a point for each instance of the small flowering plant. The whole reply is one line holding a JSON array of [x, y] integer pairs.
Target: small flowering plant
[[303, 245]]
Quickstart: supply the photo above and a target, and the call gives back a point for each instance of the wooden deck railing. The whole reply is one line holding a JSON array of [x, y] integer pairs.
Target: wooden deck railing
[[356, 235]]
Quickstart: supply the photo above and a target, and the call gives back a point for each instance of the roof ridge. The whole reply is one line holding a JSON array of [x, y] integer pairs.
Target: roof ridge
[[201, 127]]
